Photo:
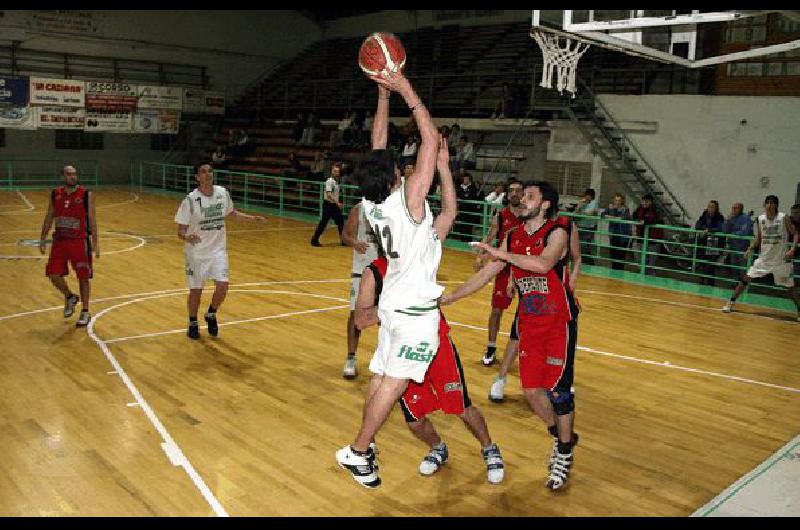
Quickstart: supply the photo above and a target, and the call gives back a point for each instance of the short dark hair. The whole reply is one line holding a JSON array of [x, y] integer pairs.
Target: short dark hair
[[647, 197], [549, 193], [590, 192], [198, 165], [513, 180], [772, 198], [375, 175]]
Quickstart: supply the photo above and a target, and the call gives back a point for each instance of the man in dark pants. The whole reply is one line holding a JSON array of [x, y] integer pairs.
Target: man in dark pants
[[331, 207]]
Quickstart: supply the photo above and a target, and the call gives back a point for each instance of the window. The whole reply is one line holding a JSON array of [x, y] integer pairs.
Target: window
[[166, 142], [66, 139], [569, 178]]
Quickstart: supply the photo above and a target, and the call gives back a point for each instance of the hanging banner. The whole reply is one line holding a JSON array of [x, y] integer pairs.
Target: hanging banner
[[60, 118], [108, 121], [197, 101], [60, 92], [113, 97], [156, 121], [160, 97], [18, 118], [14, 91]]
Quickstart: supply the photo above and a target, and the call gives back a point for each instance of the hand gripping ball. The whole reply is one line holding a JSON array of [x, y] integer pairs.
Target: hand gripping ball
[[381, 52]]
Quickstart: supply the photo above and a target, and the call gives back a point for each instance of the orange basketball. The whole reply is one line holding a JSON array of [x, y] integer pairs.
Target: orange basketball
[[381, 52]]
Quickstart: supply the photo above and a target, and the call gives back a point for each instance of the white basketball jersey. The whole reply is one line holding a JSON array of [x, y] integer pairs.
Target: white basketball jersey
[[412, 249], [774, 239], [360, 261]]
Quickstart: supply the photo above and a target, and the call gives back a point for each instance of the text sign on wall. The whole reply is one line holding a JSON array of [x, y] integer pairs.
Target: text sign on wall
[[156, 121], [18, 118], [113, 97], [198, 101], [61, 118], [108, 121], [57, 92], [14, 91], [160, 97]]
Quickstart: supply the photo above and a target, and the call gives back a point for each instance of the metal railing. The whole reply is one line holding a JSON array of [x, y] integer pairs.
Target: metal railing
[[29, 173]]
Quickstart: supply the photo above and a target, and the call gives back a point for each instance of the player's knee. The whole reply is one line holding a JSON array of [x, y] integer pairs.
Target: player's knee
[[563, 402], [745, 280]]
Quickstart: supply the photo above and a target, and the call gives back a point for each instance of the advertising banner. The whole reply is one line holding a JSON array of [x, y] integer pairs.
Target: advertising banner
[[57, 92], [156, 121], [114, 97], [196, 101], [60, 118], [18, 118], [160, 97], [14, 91], [108, 121]]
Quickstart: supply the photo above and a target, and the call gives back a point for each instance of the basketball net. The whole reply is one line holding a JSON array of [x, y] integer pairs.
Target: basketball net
[[562, 59]]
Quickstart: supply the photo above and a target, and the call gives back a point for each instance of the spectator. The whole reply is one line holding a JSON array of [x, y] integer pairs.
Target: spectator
[[409, 150], [710, 244], [587, 226], [619, 232], [299, 127], [338, 134], [218, 158], [465, 156], [317, 170], [497, 196], [648, 214], [408, 169], [501, 107], [243, 145], [467, 211], [738, 224], [366, 131], [453, 138], [295, 169], [794, 217], [310, 131]]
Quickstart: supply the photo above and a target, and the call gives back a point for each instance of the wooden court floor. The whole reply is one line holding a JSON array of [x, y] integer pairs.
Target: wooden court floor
[[675, 400]]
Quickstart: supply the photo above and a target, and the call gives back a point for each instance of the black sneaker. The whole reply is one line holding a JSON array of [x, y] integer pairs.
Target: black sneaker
[[194, 331], [211, 320], [363, 468], [490, 356], [315, 244]]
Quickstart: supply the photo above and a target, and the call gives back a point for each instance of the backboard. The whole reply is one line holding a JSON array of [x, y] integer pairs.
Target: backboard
[[668, 36]]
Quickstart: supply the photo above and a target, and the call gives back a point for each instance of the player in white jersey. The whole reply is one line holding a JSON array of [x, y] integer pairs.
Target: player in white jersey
[[201, 223], [773, 229], [358, 235], [408, 310]]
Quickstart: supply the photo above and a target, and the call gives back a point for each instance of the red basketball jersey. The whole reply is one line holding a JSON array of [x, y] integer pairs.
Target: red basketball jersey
[[543, 297], [71, 213], [506, 222]]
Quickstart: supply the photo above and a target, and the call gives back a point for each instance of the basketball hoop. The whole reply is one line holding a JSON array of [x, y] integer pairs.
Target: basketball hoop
[[562, 59]]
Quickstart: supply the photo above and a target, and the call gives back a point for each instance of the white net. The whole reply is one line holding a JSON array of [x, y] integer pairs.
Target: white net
[[558, 59]]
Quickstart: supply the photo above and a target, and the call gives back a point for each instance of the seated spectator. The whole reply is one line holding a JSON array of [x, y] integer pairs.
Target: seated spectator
[[409, 153], [619, 238], [243, 145], [366, 131], [408, 169], [738, 224], [294, 170], [453, 138], [466, 156], [497, 196], [317, 171], [218, 158], [467, 211], [587, 226], [299, 127], [648, 214], [310, 130], [337, 135], [710, 244]]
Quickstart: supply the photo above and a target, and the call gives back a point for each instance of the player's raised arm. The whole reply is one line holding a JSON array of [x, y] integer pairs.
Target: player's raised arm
[[444, 221], [380, 124]]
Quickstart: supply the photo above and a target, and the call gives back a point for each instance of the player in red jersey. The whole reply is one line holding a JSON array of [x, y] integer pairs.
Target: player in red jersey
[[505, 220], [538, 253], [73, 210], [444, 387]]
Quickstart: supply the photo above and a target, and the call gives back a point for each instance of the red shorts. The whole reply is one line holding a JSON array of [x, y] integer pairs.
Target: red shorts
[[500, 300], [443, 388], [76, 251], [547, 354]]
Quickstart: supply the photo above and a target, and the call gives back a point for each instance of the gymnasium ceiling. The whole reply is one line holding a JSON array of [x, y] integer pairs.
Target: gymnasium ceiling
[[325, 15]]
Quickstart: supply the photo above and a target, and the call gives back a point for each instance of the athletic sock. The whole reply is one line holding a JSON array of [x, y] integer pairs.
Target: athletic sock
[[351, 355], [553, 430], [212, 309], [192, 320], [564, 448]]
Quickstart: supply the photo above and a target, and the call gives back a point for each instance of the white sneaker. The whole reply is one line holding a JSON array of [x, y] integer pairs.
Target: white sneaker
[[83, 320], [496, 393], [495, 468], [728, 307], [350, 368], [554, 452], [433, 461], [69, 305], [361, 467], [560, 471]]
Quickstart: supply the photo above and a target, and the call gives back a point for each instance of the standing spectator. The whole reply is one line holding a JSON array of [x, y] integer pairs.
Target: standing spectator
[[501, 107], [587, 227], [331, 207], [317, 170], [620, 232], [467, 191], [299, 127], [454, 137], [218, 158], [337, 135], [648, 214], [738, 224], [366, 131], [310, 129], [243, 143], [465, 155], [497, 196], [409, 150], [712, 223]]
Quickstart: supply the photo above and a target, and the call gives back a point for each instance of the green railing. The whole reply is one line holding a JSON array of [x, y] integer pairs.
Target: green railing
[[32, 174], [680, 259]]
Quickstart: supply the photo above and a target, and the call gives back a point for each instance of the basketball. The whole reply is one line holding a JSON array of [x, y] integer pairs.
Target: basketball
[[381, 52]]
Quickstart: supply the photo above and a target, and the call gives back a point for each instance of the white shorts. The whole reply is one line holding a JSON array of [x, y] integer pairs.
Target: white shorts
[[200, 270], [406, 344], [356, 282], [781, 273]]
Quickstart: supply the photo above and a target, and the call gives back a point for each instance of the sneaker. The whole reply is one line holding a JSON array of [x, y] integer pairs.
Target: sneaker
[[69, 305], [194, 331], [489, 357], [728, 307], [213, 328], [433, 461], [497, 392], [350, 369], [361, 467], [315, 244], [84, 319], [554, 452], [560, 471], [495, 469], [374, 455]]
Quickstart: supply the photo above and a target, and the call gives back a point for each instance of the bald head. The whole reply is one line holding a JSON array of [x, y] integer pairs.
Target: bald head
[[70, 175]]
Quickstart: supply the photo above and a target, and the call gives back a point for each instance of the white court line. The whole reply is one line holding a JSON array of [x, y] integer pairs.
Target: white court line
[[663, 364], [98, 207], [128, 249], [28, 203], [135, 199]]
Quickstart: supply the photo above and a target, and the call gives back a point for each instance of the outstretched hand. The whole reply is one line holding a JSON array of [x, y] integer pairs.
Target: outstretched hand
[[443, 157], [489, 249], [391, 81]]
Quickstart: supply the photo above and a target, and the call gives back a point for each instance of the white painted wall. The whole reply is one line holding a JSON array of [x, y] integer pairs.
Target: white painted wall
[[703, 151]]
